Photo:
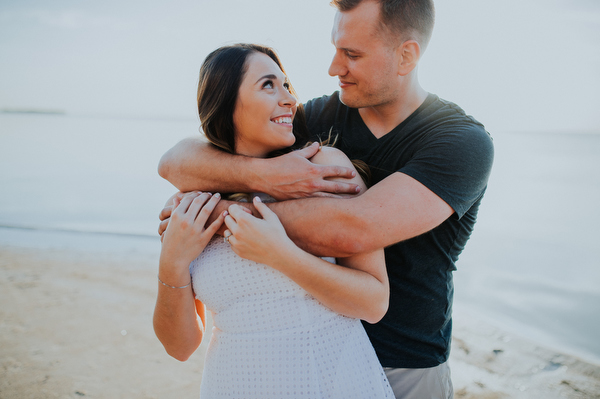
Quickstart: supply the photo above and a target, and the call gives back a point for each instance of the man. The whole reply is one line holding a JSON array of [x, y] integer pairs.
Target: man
[[429, 162]]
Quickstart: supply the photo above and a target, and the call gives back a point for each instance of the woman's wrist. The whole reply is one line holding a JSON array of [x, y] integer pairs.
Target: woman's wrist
[[286, 251], [173, 286], [174, 274], [173, 281]]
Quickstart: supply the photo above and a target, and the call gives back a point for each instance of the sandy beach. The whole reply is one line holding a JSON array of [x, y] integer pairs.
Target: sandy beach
[[76, 324]]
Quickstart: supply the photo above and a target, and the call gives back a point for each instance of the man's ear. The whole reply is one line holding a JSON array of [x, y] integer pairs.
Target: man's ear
[[409, 54]]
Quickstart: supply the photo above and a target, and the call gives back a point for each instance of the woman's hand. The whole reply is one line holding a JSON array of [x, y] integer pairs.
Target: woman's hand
[[261, 240], [186, 236], [356, 287], [176, 312]]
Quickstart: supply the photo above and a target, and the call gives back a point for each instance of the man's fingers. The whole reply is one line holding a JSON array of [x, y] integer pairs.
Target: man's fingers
[[337, 171], [324, 194], [309, 151], [338, 187]]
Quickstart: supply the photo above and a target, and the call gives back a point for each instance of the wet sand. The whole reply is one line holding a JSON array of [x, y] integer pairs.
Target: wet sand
[[79, 325]]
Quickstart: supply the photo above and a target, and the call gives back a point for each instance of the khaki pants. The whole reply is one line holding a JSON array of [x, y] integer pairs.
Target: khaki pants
[[431, 383]]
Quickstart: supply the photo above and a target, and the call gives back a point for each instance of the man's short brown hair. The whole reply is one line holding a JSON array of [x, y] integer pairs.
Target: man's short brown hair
[[406, 19]]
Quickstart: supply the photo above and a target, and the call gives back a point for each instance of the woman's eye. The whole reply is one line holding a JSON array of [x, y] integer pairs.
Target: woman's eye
[[268, 84], [287, 86]]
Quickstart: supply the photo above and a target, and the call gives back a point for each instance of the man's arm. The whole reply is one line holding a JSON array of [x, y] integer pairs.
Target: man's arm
[[357, 286], [393, 210], [194, 164]]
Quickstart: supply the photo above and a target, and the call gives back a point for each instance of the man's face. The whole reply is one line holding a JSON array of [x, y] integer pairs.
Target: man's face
[[365, 60]]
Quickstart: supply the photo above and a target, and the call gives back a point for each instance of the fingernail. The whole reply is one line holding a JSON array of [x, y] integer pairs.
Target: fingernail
[[257, 199], [217, 195], [225, 213]]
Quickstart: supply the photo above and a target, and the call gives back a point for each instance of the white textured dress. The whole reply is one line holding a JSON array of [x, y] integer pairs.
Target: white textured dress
[[271, 339]]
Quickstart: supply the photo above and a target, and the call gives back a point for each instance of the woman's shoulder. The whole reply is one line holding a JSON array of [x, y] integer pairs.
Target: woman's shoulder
[[331, 156]]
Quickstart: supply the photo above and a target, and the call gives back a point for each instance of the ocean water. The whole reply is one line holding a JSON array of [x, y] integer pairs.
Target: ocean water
[[531, 267], [533, 262], [83, 173]]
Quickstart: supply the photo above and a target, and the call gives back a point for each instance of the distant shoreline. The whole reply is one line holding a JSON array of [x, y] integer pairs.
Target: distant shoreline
[[32, 111], [77, 231]]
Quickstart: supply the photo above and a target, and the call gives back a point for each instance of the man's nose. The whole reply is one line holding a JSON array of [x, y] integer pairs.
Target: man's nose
[[337, 68]]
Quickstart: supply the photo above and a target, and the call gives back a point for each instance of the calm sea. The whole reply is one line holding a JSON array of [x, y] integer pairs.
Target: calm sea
[[532, 265]]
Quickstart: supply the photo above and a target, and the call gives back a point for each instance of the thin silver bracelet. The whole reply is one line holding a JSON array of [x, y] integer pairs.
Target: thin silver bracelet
[[170, 286]]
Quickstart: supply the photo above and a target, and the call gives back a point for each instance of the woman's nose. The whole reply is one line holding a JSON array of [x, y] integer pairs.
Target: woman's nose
[[288, 99]]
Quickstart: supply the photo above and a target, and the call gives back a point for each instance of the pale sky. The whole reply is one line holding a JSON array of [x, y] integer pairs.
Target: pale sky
[[515, 65]]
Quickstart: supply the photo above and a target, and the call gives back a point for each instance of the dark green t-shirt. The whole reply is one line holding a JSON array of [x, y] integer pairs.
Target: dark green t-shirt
[[451, 154]]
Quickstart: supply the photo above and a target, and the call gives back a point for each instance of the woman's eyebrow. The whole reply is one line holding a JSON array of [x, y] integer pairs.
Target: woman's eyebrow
[[272, 77]]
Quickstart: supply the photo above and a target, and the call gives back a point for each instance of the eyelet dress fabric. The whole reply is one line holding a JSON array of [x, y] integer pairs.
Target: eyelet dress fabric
[[271, 339]]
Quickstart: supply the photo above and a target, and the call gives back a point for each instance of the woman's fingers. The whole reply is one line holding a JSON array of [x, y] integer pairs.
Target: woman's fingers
[[266, 213], [238, 212], [230, 222], [184, 204], [233, 242], [165, 213], [196, 205], [212, 229], [209, 207], [162, 227]]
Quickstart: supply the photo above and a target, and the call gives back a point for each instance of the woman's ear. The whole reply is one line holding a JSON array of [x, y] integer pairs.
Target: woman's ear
[[409, 53]]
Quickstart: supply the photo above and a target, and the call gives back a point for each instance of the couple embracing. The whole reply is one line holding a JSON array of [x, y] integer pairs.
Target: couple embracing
[[291, 280]]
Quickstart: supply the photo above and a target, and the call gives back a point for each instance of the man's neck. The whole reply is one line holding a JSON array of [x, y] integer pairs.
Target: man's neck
[[382, 119]]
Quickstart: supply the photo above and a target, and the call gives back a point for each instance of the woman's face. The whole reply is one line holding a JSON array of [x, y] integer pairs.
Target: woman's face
[[264, 110]]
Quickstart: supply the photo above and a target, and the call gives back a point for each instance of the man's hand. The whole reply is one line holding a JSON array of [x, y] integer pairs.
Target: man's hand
[[293, 175]]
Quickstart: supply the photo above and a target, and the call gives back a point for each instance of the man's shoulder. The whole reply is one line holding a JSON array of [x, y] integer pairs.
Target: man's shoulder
[[450, 112], [442, 118], [323, 114], [319, 105]]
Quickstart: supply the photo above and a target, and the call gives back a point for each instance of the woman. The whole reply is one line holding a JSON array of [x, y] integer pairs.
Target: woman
[[275, 334]]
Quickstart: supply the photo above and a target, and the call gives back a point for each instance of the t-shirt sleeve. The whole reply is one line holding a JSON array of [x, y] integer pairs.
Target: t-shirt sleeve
[[455, 165]]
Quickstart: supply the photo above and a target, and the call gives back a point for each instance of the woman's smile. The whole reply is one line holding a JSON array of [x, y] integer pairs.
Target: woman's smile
[[265, 109]]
